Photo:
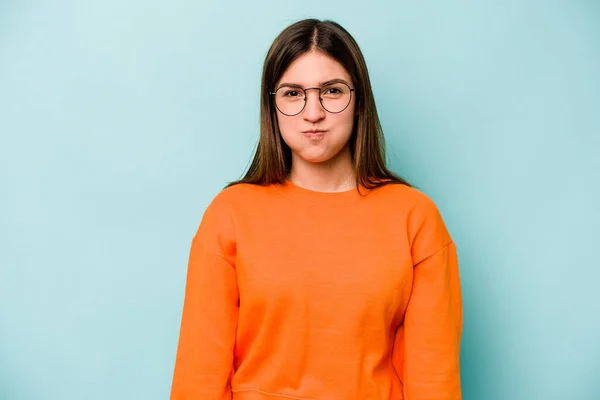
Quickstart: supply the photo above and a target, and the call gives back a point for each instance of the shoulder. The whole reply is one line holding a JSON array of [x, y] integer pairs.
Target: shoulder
[[216, 231], [420, 214], [238, 194], [408, 198], [235, 199], [234, 193]]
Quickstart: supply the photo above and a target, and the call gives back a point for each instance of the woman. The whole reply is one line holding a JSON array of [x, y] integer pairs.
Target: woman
[[320, 275]]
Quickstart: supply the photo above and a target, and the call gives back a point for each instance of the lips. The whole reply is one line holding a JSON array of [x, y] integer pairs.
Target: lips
[[314, 135]]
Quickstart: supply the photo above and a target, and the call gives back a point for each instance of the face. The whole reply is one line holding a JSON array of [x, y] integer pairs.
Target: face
[[312, 70]]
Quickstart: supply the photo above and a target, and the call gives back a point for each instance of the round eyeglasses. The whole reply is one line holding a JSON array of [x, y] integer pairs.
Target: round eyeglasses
[[335, 97]]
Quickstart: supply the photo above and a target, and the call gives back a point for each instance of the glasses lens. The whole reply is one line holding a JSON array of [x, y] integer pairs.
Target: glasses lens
[[289, 101], [336, 97]]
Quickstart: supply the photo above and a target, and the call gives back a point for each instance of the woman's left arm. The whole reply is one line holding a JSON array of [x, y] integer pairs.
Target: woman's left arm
[[427, 346], [432, 329]]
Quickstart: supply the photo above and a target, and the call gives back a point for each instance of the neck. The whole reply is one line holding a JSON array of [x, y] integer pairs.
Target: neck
[[333, 175]]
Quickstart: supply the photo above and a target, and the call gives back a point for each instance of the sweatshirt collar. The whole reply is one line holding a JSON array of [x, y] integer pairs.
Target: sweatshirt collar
[[314, 197]]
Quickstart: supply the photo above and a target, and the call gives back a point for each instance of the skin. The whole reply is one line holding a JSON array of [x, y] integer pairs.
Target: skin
[[323, 163]]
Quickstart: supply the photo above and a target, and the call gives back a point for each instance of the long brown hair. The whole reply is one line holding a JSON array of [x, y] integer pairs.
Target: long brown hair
[[272, 161]]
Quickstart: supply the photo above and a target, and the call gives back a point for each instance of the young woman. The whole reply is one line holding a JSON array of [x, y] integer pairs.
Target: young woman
[[320, 275]]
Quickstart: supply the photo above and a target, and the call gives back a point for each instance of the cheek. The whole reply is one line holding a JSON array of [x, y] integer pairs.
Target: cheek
[[290, 128], [287, 127], [344, 122], [285, 123]]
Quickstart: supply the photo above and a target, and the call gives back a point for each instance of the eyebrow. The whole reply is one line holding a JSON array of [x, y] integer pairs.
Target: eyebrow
[[295, 85]]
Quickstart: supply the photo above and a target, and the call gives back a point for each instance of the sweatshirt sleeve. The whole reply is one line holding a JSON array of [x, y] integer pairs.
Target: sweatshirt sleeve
[[204, 359], [428, 340]]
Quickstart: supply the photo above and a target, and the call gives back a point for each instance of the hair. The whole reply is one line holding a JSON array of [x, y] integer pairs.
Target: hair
[[272, 161]]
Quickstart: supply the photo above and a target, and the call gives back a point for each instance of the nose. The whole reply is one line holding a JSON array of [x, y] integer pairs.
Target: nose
[[313, 110]]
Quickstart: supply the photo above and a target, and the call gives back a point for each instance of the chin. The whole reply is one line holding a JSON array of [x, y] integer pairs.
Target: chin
[[315, 159]]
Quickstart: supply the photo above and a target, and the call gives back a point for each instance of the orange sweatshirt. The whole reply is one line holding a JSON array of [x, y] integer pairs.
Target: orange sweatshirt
[[304, 295]]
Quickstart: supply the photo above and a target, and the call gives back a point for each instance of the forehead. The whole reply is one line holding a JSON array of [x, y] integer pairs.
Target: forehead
[[313, 68]]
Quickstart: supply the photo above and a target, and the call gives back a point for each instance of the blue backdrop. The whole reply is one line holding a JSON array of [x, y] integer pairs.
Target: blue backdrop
[[120, 121]]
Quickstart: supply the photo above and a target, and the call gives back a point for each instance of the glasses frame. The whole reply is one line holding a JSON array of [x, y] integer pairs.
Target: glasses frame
[[306, 98]]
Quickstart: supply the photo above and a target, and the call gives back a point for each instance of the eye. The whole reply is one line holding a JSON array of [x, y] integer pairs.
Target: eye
[[335, 91], [292, 93]]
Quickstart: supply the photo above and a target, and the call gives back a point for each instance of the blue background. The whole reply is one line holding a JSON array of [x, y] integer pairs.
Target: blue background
[[120, 121]]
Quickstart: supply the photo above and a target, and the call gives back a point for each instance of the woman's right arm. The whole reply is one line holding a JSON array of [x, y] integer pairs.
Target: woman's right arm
[[204, 360]]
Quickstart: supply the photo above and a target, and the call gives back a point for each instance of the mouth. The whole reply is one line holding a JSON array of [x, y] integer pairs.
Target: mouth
[[314, 134]]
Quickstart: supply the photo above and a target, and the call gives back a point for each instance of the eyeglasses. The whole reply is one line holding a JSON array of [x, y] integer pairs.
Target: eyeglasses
[[335, 97]]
